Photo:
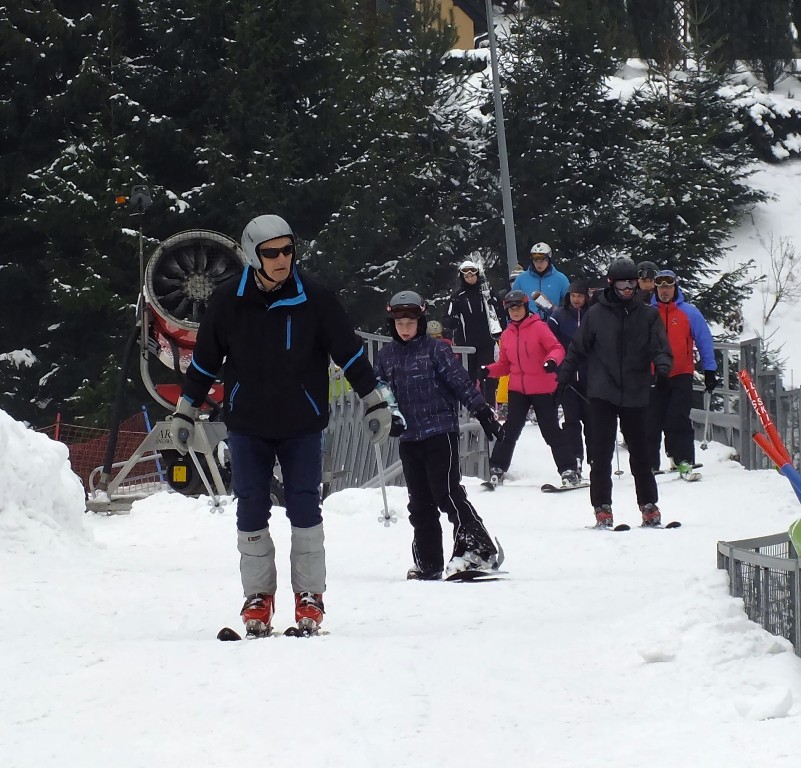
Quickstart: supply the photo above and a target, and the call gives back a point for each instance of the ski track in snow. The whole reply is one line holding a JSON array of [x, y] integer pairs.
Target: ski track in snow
[[597, 649]]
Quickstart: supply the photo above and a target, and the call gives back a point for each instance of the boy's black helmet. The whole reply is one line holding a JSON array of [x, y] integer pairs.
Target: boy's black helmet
[[622, 269], [647, 269], [406, 303]]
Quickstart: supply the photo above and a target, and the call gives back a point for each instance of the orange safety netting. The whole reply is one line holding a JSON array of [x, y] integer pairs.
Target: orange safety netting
[[87, 445]]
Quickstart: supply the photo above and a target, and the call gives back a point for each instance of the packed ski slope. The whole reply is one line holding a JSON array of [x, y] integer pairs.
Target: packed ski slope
[[600, 649]]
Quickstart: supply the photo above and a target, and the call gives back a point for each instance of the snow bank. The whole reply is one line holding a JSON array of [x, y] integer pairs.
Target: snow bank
[[42, 499]]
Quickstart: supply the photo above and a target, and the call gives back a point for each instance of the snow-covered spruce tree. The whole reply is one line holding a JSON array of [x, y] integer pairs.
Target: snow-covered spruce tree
[[722, 29], [615, 35], [771, 44], [567, 142], [690, 190], [655, 27], [59, 213], [415, 198]]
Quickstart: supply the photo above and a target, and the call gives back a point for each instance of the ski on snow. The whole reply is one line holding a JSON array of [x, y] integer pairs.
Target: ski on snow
[[226, 634], [475, 574], [626, 527], [549, 488]]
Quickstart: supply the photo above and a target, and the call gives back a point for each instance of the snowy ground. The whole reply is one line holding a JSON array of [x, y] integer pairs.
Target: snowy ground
[[600, 649]]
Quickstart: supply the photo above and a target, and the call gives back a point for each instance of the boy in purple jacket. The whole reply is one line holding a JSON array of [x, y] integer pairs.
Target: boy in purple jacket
[[429, 383]]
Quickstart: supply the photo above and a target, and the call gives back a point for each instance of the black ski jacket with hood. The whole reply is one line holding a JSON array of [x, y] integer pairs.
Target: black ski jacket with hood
[[275, 347], [619, 341], [466, 316]]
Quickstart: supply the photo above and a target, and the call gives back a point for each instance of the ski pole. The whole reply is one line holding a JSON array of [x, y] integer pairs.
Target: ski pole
[[387, 517], [619, 471], [707, 403]]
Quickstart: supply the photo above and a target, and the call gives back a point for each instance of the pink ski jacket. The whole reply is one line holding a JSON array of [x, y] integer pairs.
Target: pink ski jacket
[[525, 347]]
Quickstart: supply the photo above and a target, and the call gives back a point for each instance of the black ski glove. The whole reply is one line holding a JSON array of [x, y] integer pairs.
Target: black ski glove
[[661, 379], [550, 366], [710, 381], [489, 422], [559, 392], [483, 373]]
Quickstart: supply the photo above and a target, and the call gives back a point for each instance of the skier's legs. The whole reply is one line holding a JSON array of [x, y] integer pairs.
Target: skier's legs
[[585, 420], [679, 434], [632, 425], [501, 456], [603, 418], [547, 415], [655, 423], [423, 511], [571, 427], [252, 462], [485, 355], [301, 461], [444, 479]]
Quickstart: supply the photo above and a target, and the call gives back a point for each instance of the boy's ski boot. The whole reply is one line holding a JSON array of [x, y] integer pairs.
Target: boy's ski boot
[[257, 614], [495, 479], [651, 516], [309, 610], [570, 479], [416, 573], [603, 516]]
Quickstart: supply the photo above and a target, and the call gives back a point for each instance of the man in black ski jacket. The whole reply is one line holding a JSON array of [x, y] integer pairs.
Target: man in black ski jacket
[[272, 331], [621, 340]]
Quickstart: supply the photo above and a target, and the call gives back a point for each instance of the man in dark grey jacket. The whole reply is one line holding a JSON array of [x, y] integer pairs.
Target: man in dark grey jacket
[[621, 340]]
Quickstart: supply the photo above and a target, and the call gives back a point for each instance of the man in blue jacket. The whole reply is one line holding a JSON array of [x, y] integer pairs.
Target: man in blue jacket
[[545, 284], [273, 330]]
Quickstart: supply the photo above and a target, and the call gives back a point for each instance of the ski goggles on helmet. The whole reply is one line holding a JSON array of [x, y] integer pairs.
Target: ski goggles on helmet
[[646, 274], [664, 280], [623, 284], [515, 305], [408, 311], [274, 253], [469, 271], [540, 257]]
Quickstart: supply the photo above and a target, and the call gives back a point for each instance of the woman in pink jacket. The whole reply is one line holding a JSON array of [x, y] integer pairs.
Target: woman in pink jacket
[[530, 355]]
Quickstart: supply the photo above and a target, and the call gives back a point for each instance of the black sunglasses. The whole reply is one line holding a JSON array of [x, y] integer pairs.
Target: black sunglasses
[[274, 253]]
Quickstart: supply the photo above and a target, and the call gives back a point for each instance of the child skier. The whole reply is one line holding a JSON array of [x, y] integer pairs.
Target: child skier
[[429, 383]]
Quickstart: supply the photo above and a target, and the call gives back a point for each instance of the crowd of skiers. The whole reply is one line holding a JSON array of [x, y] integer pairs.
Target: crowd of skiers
[[618, 353]]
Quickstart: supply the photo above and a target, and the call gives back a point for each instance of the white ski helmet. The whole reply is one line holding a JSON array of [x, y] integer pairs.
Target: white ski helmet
[[542, 248], [260, 229], [468, 264]]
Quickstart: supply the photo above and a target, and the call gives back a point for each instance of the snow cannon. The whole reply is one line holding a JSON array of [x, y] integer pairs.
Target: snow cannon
[[180, 277]]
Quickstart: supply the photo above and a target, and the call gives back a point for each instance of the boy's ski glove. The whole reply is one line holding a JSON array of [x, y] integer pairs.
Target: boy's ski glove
[[710, 381], [489, 422], [378, 411], [182, 426], [559, 392]]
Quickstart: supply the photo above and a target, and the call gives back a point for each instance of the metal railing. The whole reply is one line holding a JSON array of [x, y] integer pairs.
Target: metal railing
[[732, 420], [764, 572]]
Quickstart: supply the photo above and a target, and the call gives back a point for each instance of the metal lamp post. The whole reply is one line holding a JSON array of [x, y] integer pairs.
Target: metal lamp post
[[506, 187]]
